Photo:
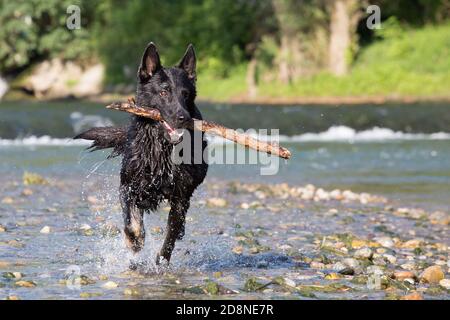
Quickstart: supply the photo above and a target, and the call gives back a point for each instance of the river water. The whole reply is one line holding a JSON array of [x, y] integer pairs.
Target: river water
[[399, 152]]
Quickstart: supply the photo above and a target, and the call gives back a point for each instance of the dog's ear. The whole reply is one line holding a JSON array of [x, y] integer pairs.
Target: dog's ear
[[189, 62], [150, 62]]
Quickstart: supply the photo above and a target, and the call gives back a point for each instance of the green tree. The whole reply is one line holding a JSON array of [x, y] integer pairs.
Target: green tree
[[36, 29], [220, 30]]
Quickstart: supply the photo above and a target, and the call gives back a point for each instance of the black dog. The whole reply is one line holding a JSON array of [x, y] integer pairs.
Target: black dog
[[148, 175]]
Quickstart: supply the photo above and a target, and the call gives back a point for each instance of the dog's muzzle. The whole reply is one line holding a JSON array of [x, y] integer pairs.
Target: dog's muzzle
[[175, 135]]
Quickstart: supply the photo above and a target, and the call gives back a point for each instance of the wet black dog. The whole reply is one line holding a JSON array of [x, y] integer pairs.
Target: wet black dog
[[148, 175]]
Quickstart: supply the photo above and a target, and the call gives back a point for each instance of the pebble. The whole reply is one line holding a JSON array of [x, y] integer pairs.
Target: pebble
[[347, 271], [350, 262], [412, 296], [245, 205], [445, 283], [7, 200], [385, 242], [85, 227], [321, 195], [216, 202], [12, 275], [12, 298], [338, 266], [402, 275], [238, 250], [16, 244], [30, 178], [432, 275], [439, 217], [333, 276], [357, 244], [45, 230], [408, 266], [27, 192], [381, 250], [289, 282], [363, 253], [390, 258], [440, 262], [26, 284], [411, 244], [336, 194], [92, 200], [110, 285], [131, 292], [2, 228], [86, 295], [349, 195], [317, 265]]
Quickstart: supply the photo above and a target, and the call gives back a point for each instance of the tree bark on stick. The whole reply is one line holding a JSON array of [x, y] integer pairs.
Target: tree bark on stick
[[208, 127]]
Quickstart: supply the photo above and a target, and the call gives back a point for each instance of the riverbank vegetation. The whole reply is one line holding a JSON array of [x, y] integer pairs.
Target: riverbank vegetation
[[247, 50]]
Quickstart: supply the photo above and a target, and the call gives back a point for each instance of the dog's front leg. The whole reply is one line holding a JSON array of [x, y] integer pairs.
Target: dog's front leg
[[175, 229], [133, 218]]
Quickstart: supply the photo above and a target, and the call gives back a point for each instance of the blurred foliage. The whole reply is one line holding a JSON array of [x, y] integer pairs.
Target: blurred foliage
[[220, 31], [35, 29], [415, 12], [227, 34], [414, 63]]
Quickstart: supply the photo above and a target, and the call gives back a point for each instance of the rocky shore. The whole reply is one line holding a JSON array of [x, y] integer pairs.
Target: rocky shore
[[281, 241]]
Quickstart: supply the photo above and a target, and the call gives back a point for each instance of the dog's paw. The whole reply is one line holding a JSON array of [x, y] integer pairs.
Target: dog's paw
[[162, 261]]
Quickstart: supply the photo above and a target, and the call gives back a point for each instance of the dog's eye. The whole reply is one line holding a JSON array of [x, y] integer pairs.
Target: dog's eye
[[163, 93]]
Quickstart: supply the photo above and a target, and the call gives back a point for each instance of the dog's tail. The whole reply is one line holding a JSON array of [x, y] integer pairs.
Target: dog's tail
[[106, 137]]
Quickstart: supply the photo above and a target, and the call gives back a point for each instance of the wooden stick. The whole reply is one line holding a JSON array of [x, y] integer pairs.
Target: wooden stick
[[208, 127]]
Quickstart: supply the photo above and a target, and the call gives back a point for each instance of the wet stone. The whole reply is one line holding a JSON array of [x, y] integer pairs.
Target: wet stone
[[45, 230], [110, 285], [252, 284], [432, 275], [347, 271], [30, 178], [352, 263], [402, 275], [445, 283], [26, 284], [363, 253], [412, 296]]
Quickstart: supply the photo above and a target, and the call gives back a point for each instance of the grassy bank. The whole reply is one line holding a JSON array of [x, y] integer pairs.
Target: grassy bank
[[410, 63]]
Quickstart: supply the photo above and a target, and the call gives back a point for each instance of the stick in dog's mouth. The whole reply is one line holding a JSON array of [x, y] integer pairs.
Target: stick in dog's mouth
[[205, 126], [174, 134]]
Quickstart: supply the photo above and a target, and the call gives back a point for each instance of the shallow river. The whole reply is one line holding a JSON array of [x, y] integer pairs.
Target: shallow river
[[243, 228]]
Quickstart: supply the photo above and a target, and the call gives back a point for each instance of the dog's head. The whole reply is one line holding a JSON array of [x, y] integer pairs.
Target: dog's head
[[170, 90]]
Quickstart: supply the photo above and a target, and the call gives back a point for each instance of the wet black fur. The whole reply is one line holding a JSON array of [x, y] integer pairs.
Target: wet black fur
[[148, 176]]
